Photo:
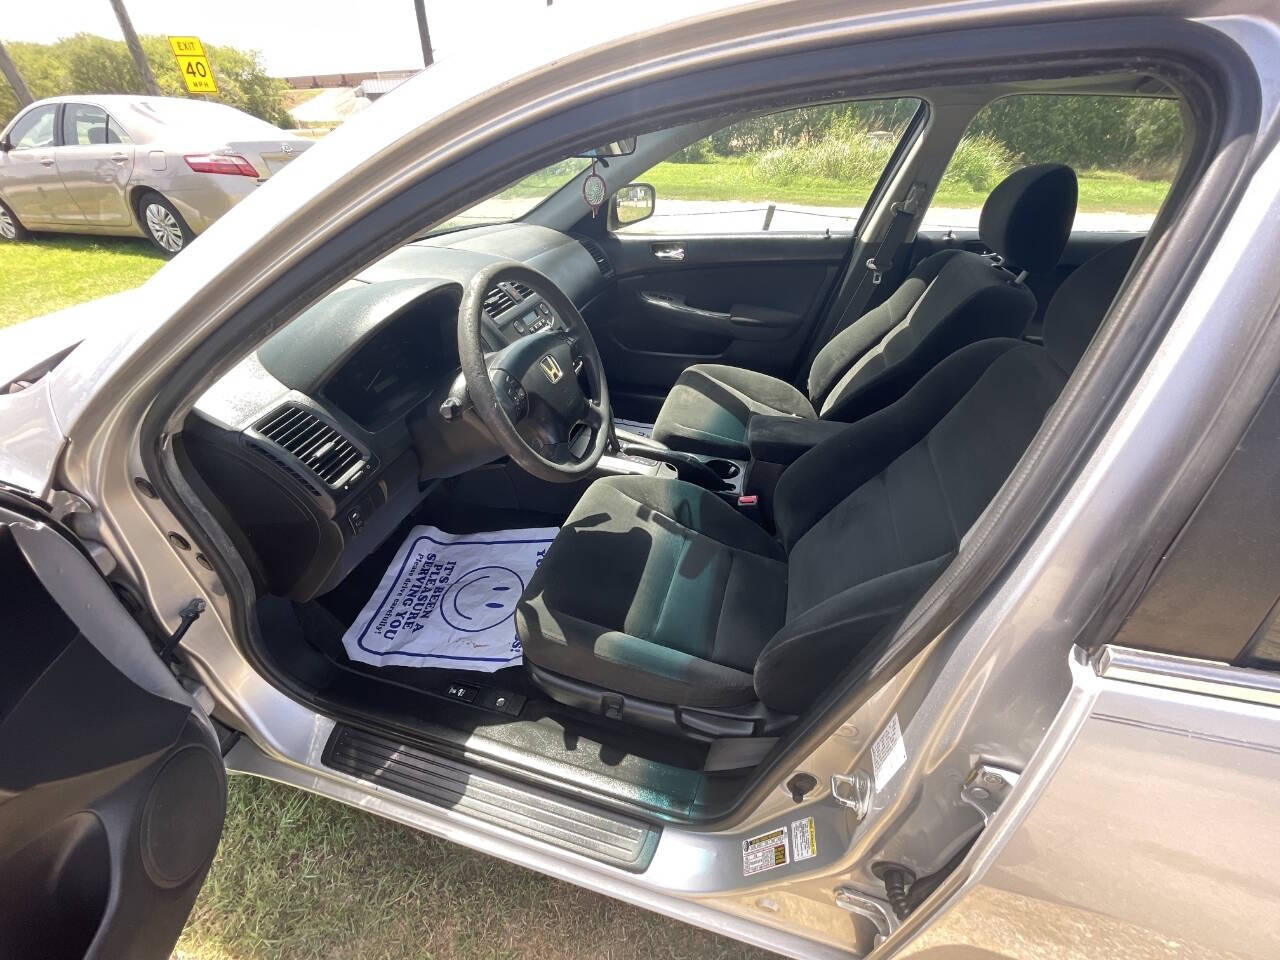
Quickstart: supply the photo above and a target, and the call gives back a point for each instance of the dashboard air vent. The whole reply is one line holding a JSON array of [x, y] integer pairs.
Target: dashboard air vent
[[523, 291], [313, 443], [597, 254], [497, 301]]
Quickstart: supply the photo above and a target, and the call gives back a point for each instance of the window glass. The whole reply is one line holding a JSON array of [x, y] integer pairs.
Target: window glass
[[83, 125], [35, 129], [519, 198], [804, 170], [1125, 151]]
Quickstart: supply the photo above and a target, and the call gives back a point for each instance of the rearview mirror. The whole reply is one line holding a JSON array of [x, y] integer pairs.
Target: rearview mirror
[[618, 148], [631, 204]]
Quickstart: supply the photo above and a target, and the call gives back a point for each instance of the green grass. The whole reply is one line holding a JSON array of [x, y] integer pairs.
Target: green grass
[[51, 272], [301, 877], [733, 178]]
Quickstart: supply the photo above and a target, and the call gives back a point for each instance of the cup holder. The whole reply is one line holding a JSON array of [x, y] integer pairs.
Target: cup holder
[[724, 469]]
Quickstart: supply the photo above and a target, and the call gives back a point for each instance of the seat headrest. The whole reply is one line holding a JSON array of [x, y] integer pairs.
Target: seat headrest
[[1028, 216], [1079, 304]]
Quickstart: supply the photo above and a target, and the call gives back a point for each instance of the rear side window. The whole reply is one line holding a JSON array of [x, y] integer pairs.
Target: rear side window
[[805, 170], [35, 129], [1125, 151], [84, 125]]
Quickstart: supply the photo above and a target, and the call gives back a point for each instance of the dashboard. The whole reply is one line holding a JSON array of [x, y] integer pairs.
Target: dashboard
[[318, 444]]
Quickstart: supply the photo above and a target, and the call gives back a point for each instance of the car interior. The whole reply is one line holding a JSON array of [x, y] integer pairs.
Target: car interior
[[745, 454]]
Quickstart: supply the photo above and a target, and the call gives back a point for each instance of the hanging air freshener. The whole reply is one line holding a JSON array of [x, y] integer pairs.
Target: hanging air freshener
[[594, 190]]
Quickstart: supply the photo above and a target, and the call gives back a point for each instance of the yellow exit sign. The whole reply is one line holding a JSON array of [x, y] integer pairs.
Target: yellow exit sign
[[193, 64]]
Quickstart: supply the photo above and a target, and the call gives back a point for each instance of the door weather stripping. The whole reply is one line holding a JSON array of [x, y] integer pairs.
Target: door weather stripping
[[986, 788], [853, 791]]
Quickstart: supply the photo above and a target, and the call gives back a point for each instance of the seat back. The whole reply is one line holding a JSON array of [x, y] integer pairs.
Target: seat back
[[951, 299], [872, 516]]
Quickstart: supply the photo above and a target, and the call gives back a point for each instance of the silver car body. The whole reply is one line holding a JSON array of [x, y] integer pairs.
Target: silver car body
[[93, 185], [1129, 800]]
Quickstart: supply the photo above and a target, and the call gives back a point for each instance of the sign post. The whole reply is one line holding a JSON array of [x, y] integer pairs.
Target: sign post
[[193, 64]]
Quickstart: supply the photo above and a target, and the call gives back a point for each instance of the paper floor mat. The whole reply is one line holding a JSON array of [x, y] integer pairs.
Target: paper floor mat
[[449, 600]]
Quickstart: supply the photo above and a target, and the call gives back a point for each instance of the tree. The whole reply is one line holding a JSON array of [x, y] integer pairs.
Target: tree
[[85, 64]]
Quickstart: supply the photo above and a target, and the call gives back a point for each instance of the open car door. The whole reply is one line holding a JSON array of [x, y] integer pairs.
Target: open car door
[[112, 786]]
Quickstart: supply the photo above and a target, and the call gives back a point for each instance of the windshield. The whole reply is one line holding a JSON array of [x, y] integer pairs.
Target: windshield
[[513, 202]]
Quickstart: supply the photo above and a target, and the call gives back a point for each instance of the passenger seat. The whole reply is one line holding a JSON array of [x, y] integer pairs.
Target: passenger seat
[[952, 298]]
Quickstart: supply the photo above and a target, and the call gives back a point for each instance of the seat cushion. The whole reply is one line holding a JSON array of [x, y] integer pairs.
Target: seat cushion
[[708, 409], [656, 589]]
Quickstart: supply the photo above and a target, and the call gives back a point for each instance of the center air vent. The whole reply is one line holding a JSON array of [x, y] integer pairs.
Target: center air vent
[[315, 444], [597, 254]]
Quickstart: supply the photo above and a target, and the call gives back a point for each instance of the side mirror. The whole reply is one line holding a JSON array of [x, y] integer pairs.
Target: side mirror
[[5, 145], [631, 204]]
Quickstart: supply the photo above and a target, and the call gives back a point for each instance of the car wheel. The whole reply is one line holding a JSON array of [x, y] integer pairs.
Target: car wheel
[[164, 224], [10, 228]]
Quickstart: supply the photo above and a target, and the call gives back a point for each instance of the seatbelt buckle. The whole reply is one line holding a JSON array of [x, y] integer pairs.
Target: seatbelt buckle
[[749, 505], [877, 272]]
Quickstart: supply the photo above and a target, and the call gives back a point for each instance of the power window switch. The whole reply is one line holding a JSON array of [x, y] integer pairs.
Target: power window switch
[[462, 692]]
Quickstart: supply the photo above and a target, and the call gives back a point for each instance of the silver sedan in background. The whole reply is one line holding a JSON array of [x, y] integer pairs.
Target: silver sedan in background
[[160, 167]]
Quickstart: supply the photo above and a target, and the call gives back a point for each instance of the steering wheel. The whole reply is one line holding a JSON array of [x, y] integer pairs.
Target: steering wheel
[[544, 396]]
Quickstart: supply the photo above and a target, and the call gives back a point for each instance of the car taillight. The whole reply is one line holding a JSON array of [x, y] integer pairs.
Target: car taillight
[[231, 163]]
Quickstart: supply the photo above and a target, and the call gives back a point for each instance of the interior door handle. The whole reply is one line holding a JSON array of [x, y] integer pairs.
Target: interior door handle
[[668, 251]]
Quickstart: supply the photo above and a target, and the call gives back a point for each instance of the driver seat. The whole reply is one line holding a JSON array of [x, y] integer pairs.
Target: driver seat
[[660, 604]]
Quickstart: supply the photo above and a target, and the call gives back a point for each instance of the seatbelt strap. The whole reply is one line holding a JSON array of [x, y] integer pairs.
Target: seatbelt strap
[[737, 753], [845, 310]]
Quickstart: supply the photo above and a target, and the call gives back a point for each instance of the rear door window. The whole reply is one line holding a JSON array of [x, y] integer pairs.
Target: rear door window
[[1125, 151], [84, 124]]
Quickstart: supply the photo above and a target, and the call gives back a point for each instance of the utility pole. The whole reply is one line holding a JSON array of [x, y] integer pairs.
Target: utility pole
[[10, 71], [420, 7], [135, 48]]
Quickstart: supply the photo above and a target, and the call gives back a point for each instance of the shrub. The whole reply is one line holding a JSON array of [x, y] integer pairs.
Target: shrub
[[847, 152], [980, 162]]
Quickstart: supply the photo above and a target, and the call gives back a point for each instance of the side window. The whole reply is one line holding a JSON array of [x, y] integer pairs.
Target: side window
[[83, 125], [1124, 150], [805, 170], [35, 129]]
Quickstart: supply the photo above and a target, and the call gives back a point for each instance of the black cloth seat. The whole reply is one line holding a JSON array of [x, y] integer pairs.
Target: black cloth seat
[[952, 298], [661, 591]]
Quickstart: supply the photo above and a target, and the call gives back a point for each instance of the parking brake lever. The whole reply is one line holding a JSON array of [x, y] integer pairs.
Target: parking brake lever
[[688, 467]]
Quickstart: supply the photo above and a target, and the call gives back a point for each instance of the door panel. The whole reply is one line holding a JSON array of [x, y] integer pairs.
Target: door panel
[[112, 788], [748, 301], [95, 176], [1081, 246], [94, 161], [29, 178]]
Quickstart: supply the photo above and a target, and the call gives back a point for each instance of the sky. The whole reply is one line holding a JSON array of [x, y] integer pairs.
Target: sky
[[294, 36]]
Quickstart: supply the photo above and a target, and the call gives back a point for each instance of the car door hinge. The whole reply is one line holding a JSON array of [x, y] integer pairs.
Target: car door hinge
[[64, 503], [853, 791], [869, 908], [986, 788], [189, 614]]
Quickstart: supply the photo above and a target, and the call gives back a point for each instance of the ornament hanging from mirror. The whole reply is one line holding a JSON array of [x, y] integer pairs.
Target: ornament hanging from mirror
[[594, 190]]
